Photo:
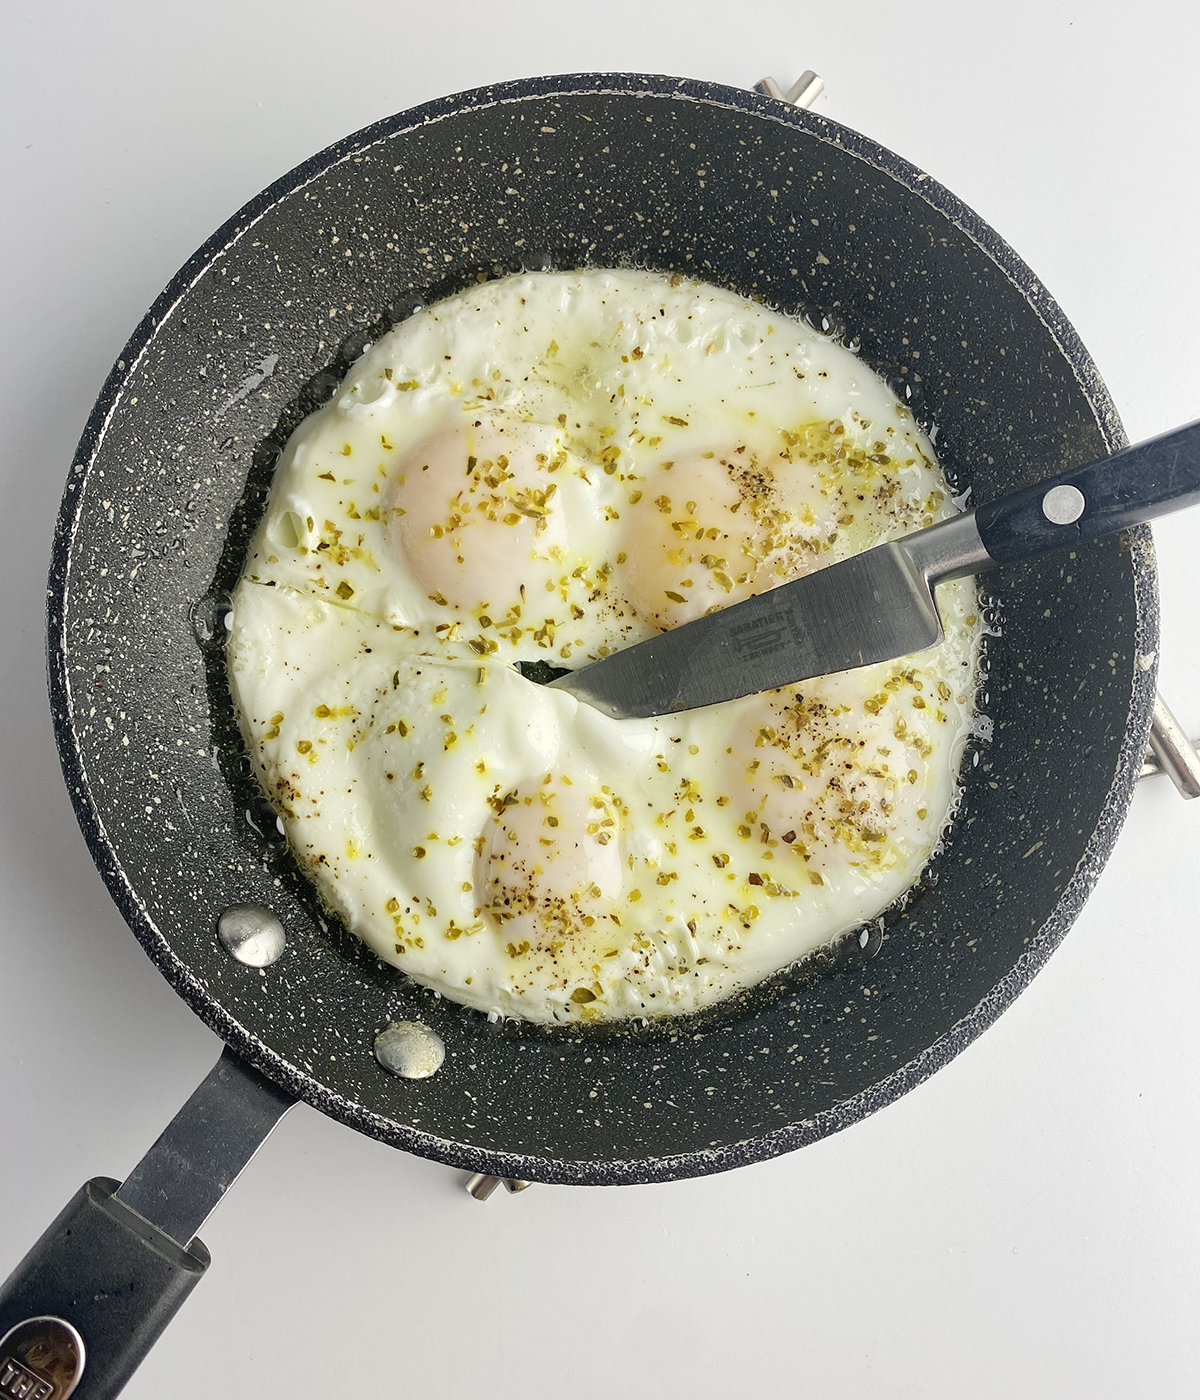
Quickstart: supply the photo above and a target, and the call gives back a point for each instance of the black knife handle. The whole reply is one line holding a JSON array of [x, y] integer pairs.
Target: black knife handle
[[1133, 486]]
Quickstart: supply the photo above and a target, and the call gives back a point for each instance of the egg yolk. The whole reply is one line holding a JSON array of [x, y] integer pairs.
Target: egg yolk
[[549, 867], [473, 505], [798, 515], [691, 545], [822, 785]]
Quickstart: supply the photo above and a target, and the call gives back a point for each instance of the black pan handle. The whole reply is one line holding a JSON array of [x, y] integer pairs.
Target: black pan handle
[[93, 1295], [1133, 486], [102, 1283]]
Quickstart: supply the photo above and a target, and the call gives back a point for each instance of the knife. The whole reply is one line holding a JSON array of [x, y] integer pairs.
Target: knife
[[879, 604]]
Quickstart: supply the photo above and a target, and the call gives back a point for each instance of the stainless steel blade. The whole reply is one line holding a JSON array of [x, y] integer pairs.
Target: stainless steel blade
[[869, 608], [872, 607]]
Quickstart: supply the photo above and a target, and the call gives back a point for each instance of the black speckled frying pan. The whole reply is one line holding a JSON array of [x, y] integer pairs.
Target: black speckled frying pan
[[255, 330]]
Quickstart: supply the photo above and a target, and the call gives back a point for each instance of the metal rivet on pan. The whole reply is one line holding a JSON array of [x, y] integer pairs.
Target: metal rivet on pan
[[410, 1050], [251, 934], [513, 1184], [1063, 505]]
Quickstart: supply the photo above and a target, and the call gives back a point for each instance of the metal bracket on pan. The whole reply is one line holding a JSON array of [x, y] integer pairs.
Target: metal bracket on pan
[[802, 93], [1172, 752], [481, 1185]]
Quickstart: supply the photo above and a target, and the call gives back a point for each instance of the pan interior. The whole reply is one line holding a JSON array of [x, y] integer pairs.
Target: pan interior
[[255, 332]]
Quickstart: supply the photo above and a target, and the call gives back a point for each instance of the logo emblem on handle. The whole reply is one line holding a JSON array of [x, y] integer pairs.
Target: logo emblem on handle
[[41, 1359]]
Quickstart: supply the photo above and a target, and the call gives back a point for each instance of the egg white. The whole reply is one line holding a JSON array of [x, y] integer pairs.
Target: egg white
[[549, 467]]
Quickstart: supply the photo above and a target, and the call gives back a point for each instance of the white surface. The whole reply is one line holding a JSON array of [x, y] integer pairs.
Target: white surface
[[1027, 1222]]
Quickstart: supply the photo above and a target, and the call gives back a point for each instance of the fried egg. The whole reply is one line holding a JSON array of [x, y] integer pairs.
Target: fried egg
[[552, 466]]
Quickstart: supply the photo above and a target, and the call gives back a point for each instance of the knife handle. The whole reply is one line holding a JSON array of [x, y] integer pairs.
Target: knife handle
[[1133, 486]]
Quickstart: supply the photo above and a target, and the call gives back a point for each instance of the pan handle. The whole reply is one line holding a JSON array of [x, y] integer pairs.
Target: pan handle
[[94, 1294]]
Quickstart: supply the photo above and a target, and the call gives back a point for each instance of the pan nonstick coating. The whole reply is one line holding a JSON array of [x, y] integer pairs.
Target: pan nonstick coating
[[171, 474]]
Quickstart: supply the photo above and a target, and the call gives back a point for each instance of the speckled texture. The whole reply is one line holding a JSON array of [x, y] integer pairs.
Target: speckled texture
[[744, 191]]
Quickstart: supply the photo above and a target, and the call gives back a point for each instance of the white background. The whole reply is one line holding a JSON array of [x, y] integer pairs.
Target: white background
[[1025, 1224]]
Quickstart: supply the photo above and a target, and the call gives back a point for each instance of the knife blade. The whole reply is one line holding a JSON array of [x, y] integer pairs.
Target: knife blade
[[868, 608], [880, 604]]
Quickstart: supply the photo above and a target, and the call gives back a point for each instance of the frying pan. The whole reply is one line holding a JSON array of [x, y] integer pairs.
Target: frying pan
[[170, 477]]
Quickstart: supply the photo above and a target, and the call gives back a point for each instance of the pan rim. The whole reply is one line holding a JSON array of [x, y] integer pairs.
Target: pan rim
[[622, 1171]]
